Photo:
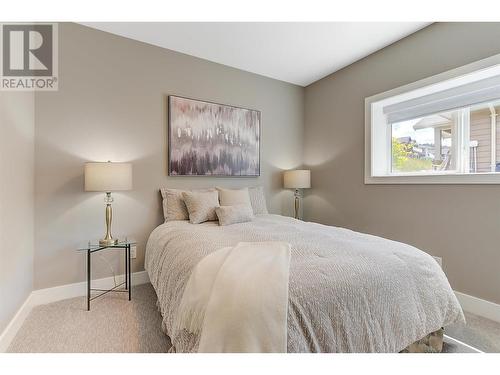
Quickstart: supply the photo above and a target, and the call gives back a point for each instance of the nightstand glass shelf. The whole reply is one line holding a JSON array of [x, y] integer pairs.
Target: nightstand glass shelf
[[93, 246]]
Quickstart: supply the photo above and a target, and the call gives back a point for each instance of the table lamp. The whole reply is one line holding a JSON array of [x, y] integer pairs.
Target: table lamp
[[297, 179], [108, 177]]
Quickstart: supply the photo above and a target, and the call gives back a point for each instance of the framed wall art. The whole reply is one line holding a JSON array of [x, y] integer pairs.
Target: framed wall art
[[210, 139]]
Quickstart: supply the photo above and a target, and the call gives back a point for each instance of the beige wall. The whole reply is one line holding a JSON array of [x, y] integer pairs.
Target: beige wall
[[460, 223], [111, 105], [17, 131]]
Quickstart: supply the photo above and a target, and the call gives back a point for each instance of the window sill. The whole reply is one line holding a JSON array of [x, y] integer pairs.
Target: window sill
[[445, 179]]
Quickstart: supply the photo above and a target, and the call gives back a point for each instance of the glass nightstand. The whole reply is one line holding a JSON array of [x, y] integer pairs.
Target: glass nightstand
[[93, 246]]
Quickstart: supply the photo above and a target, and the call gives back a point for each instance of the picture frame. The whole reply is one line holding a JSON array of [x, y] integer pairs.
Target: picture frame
[[212, 139]]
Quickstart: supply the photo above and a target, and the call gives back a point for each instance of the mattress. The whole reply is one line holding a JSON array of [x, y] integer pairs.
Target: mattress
[[348, 291]]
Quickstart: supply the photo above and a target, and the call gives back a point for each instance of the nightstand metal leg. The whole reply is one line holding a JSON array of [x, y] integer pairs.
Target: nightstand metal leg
[[88, 280], [126, 268], [129, 274]]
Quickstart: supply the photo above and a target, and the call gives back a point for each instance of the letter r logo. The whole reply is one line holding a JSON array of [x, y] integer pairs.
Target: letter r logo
[[27, 50]]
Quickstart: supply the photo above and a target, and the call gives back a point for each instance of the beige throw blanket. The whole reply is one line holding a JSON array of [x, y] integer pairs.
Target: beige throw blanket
[[236, 299]]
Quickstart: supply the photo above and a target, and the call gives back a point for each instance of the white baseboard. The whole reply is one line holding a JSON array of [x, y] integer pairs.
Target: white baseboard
[[478, 306], [58, 293], [17, 321]]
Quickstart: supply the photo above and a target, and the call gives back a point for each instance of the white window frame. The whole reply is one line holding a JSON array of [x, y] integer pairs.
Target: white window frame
[[378, 167]]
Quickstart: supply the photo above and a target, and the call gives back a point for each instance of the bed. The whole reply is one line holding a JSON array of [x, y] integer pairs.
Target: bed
[[348, 291]]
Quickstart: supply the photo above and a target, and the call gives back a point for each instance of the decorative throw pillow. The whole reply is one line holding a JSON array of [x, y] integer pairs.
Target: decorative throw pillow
[[239, 213], [174, 207], [230, 197], [201, 205], [257, 200]]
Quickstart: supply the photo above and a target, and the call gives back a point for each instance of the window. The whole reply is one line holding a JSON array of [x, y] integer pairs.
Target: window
[[444, 129]]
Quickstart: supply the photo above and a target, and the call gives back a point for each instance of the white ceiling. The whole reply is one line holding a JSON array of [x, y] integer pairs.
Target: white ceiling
[[299, 53]]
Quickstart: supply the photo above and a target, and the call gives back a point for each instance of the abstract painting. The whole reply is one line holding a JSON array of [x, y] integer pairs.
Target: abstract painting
[[208, 139]]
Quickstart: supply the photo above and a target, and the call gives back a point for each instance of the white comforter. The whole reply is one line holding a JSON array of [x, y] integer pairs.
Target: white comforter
[[348, 292]]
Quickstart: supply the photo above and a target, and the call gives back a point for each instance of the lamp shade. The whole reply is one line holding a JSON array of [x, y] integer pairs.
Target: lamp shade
[[108, 176], [297, 179]]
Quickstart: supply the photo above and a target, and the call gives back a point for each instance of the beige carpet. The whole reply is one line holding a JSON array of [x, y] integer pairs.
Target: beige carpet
[[115, 324], [481, 333]]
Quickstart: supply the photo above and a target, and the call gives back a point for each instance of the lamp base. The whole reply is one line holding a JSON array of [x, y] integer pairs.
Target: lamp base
[[108, 239], [297, 203], [108, 242]]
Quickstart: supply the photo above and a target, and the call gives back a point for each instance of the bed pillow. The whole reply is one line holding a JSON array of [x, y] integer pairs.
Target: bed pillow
[[257, 200], [239, 213], [201, 205], [174, 207], [231, 197]]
